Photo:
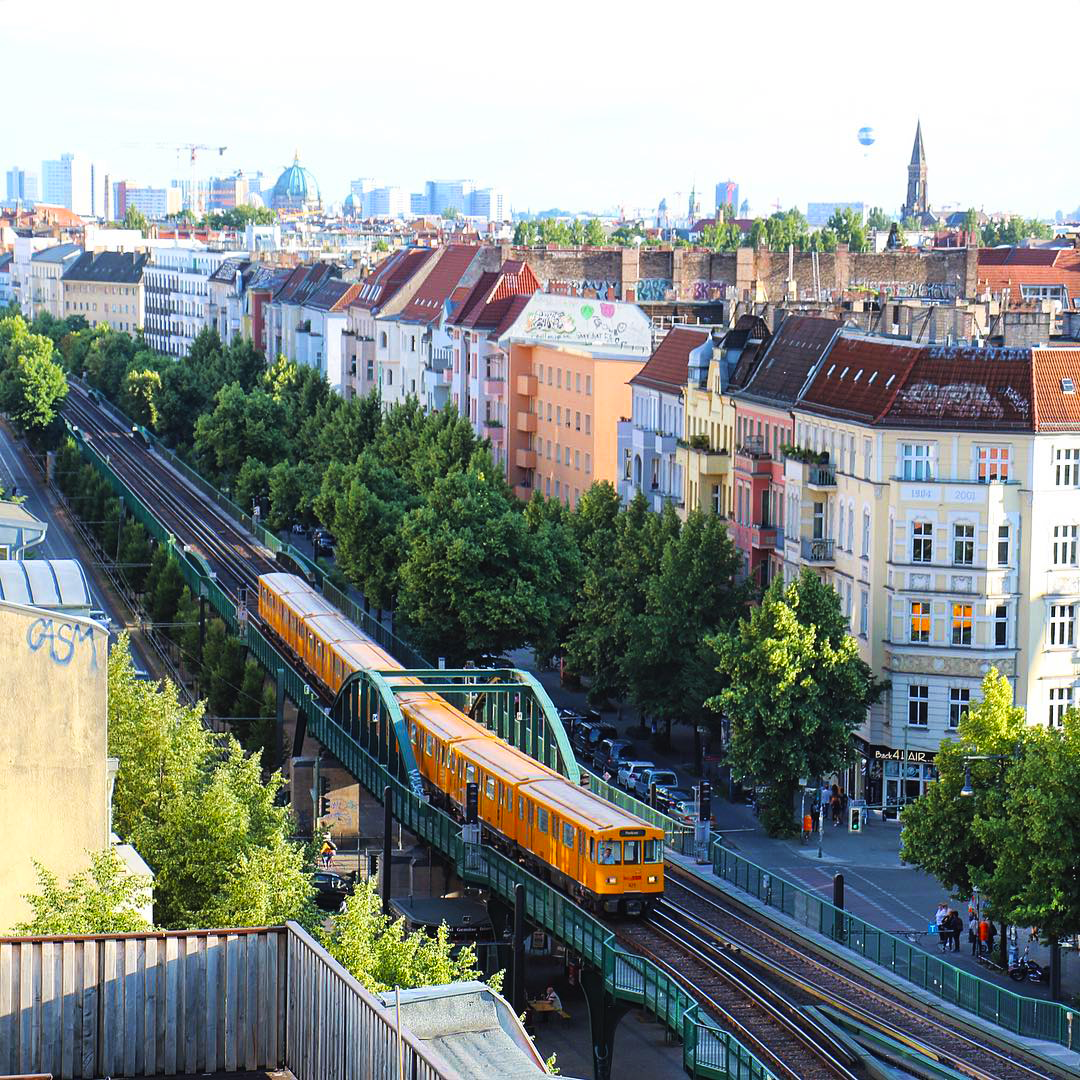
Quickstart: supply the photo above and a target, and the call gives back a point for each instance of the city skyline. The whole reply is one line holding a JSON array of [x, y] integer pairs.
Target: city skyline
[[586, 147]]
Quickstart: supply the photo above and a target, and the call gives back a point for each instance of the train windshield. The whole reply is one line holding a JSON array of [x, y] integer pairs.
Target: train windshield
[[654, 851], [631, 852], [610, 853]]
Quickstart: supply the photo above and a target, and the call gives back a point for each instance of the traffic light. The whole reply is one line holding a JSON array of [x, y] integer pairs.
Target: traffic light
[[705, 801], [324, 805], [856, 818], [472, 803]]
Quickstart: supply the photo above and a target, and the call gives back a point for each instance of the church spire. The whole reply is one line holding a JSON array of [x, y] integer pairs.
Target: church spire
[[917, 204], [918, 154]]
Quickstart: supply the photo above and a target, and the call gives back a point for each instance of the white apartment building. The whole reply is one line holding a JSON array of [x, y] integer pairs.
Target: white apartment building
[[177, 287], [937, 489], [648, 439], [69, 182]]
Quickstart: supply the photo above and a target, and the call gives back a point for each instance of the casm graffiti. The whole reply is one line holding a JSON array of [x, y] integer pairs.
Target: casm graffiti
[[61, 639]]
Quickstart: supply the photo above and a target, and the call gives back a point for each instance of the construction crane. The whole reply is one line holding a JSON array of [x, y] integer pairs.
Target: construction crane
[[193, 150]]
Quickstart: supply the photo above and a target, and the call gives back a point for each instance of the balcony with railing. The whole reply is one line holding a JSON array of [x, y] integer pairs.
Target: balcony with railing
[[526, 385], [526, 421], [494, 386], [821, 476], [753, 456], [441, 358], [768, 537], [817, 551]]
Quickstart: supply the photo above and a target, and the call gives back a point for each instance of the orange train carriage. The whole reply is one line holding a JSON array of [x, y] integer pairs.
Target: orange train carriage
[[600, 854]]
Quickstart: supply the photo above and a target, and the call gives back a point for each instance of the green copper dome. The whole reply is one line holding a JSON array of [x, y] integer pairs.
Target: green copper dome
[[295, 188]]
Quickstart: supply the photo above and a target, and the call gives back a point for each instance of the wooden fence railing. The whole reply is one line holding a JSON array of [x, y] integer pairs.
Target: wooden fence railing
[[193, 1002]]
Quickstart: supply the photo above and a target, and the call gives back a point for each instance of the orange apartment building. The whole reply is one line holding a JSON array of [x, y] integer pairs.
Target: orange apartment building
[[571, 361]]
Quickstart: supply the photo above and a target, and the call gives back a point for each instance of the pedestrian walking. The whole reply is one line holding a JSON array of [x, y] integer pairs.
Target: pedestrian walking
[[834, 805], [956, 925], [940, 916], [328, 851], [973, 934]]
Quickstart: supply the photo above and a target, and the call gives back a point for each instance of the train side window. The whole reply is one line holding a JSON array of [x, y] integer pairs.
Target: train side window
[[429, 745], [541, 819], [530, 815], [630, 853], [568, 835], [489, 788], [510, 799], [654, 851], [581, 842], [592, 850], [521, 807], [470, 774], [610, 853]]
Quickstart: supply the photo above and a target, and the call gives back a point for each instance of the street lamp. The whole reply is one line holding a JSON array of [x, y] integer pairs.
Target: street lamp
[[967, 790]]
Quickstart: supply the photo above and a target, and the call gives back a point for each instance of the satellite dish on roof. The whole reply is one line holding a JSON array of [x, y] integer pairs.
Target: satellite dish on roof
[[867, 136]]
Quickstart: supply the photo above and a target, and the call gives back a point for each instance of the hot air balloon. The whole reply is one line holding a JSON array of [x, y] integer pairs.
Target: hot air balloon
[[866, 136]]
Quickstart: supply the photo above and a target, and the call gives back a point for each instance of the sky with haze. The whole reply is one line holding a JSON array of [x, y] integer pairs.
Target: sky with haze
[[576, 105]]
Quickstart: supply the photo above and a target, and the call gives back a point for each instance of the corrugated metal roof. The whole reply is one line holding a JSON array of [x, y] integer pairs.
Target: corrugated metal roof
[[45, 583], [471, 1028]]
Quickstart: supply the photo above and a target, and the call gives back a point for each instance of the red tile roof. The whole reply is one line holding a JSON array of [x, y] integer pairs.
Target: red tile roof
[[302, 282], [792, 353], [332, 295], [1053, 370], [859, 378], [495, 296], [387, 279], [427, 302], [1010, 268], [667, 368]]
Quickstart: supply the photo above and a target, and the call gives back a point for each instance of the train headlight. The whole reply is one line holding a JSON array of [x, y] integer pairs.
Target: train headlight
[[652, 879], [613, 881]]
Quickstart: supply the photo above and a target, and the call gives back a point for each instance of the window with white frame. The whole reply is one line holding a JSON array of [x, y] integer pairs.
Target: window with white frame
[[959, 703], [1062, 624], [850, 526], [1060, 702], [1064, 549], [864, 615], [918, 710], [840, 529], [865, 533], [919, 622], [1003, 545], [961, 624], [922, 542], [819, 521], [993, 463], [963, 544], [1001, 625], [1067, 467], [915, 461]]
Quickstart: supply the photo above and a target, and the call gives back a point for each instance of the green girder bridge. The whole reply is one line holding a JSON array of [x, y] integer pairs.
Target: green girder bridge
[[514, 705]]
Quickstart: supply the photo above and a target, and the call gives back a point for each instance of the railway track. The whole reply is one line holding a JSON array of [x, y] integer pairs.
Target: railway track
[[234, 556], [691, 912], [783, 1037]]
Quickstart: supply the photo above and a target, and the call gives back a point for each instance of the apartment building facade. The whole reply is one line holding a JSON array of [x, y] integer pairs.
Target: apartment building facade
[[107, 287], [570, 367], [42, 281], [177, 295], [936, 489]]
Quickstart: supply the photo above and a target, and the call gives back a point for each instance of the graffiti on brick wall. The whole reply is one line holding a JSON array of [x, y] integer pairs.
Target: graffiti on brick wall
[[903, 290], [653, 290], [599, 288], [709, 290]]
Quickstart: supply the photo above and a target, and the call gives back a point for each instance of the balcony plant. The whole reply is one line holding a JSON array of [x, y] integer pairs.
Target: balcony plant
[[804, 454]]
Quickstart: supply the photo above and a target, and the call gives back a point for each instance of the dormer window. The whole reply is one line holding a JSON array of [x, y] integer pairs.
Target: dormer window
[[1067, 386]]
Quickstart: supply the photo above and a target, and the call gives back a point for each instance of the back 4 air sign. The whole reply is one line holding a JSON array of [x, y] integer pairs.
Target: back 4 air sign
[[607, 326]]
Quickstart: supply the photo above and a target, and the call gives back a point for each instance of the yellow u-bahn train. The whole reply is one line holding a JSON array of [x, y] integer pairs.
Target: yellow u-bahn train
[[601, 855]]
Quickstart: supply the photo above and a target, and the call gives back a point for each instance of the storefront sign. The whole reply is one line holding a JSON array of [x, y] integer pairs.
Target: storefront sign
[[888, 753]]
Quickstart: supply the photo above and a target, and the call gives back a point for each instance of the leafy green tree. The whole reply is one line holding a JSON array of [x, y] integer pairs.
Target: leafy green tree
[[797, 689], [668, 667], [186, 633], [222, 669], [103, 899], [474, 578], [549, 522], [382, 954], [963, 841], [200, 812], [594, 233], [877, 218], [168, 586], [134, 218], [134, 554], [252, 484], [526, 234], [242, 425], [32, 385], [141, 392]]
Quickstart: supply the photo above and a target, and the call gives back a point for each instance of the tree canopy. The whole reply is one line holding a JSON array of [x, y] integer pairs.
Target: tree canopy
[[1015, 837], [33, 385], [797, 688]]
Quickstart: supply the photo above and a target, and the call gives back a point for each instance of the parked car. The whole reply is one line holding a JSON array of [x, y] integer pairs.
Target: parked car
[[629, 770], [659, 777], [589, 733], [677, 803], [331, 890], [494, 660], [610, 754]]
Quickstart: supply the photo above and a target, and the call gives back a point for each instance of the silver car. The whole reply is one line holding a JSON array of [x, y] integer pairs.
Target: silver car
[[659, 777], [628, 772]]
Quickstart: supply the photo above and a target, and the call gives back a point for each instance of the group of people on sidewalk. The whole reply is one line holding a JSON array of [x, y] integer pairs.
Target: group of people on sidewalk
[[950, 925]]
